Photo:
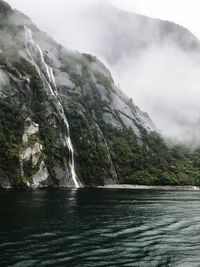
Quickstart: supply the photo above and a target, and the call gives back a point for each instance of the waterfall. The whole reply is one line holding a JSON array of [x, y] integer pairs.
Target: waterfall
[[49, 78]]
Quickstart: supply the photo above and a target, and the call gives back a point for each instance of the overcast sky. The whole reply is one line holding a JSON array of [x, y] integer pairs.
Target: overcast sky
[[184, 12]]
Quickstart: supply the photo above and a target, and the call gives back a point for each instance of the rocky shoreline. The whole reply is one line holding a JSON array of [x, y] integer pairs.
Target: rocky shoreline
[[154, 187]]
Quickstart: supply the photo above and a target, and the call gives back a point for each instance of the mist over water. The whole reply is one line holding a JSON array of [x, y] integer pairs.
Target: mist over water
[[100, 228]]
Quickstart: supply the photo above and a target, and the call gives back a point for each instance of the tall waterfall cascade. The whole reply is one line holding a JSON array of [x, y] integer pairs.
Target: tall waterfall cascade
[[46, 73]]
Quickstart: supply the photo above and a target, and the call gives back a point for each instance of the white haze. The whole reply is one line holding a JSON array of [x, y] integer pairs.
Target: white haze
[[164, 81], [184, 12]]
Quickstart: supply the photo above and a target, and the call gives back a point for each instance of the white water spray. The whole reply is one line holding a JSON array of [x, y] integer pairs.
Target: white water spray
[[50, 80]]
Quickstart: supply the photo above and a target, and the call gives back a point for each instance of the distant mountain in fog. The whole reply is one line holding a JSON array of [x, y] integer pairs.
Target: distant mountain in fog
[[125, 34]]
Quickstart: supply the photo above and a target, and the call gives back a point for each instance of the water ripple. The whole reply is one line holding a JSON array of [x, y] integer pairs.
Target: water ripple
[[100, 228]]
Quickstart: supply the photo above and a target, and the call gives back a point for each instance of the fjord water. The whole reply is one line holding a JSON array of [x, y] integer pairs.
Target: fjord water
[[98, 227]]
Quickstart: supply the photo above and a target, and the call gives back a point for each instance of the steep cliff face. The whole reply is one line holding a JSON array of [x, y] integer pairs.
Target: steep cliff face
[[56, 109], [64, 123]]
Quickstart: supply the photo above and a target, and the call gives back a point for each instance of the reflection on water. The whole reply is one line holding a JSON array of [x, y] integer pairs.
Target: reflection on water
[[100, 228]]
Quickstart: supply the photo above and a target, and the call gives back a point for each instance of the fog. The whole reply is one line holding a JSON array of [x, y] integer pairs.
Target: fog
[[165, 82], [162, 79]]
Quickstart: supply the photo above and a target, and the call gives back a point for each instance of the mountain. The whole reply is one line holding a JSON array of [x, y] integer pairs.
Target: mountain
[[156, 62], [64, 123], [128, 35]]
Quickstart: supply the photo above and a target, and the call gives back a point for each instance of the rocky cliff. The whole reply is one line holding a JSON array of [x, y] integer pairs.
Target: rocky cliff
[[53, 100], [63, 122]]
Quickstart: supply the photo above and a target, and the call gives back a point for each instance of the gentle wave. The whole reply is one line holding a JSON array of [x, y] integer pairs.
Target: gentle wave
[[100, 228]]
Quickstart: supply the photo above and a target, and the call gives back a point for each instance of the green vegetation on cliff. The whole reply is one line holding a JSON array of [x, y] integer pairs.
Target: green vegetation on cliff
[[114, 141]]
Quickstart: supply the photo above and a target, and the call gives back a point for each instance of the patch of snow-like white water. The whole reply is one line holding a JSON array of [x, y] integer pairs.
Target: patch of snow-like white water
[[49, 78]]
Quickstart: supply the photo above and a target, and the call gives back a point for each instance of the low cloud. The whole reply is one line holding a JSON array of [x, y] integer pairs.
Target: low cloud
[[165, 82], [162, 79]]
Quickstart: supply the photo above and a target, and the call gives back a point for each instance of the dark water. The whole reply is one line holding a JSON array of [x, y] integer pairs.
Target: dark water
[[100, 228]]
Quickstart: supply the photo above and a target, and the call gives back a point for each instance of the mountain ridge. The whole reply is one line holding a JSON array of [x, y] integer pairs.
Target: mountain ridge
[[64, 123], [131, 32]]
